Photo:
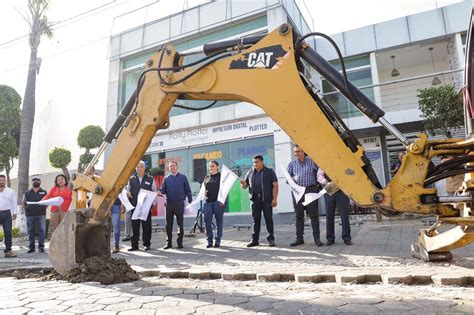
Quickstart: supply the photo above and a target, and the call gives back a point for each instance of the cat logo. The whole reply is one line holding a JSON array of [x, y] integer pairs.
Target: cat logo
[[260, 60], [263, 58]]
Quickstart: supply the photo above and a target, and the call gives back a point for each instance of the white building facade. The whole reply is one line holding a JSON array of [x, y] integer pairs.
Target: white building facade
[[233, 132]]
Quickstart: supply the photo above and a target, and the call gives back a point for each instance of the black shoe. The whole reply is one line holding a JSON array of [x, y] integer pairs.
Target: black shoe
[[271, 243], [318, 243], [296, 243], [252, 244], [180, 246], [329, 243], [167, 246], [30, 251], [147, 248], [41, 250], [217, 245], [209, 246], [132, 249], [126, 239], [349, 243]]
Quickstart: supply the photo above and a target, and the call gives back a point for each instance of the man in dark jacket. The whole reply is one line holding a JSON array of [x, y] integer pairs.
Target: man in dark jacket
[[35, 215], [138, 181], [176, 188], [263, 189]]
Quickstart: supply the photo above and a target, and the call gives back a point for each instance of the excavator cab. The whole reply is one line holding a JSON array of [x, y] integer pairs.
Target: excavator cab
[[268, 71]]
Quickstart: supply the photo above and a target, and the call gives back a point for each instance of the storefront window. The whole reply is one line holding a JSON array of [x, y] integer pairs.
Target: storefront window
[[236, 155], [359, 73]]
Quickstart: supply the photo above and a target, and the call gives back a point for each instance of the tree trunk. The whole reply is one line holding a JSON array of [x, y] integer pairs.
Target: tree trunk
[[27, 121], [66, 173], [7, 172]]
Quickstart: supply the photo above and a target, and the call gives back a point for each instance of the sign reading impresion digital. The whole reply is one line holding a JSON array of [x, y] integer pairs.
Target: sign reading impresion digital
[[222, 132]]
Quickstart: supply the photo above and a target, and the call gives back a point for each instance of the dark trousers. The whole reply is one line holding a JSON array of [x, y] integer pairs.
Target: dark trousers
[[213, 209], [312, 211], [257, 208], [146, 231], [343, 204], [31, 222], [174, 208], [6, 221]]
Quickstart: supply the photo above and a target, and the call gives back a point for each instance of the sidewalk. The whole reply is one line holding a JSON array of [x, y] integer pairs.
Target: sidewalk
[[381, 253]]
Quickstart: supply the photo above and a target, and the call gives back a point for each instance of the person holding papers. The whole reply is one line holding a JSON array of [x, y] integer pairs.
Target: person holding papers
[[303, 170], [176, 188], [335, 197], [263, 190], [35, 215], [8, 211], [60, 189], [212, 207], [139, 181]]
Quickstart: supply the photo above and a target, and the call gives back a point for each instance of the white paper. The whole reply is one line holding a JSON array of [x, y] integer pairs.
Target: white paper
[[228, 179], [297, 190], [145, 200], [125, 202], [310, 197], [190, 207], [55, 201]]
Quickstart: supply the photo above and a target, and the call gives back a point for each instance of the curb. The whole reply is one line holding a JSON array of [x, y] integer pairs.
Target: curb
[[339, 278]]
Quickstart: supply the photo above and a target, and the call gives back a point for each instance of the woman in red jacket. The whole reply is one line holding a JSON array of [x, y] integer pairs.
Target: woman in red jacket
[[60, 189]]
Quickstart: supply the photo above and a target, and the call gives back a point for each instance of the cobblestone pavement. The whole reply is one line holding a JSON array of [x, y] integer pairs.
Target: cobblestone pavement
[[152, 295], [379, 249]]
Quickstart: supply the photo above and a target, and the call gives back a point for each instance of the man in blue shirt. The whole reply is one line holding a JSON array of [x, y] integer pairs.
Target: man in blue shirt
[[176, 188]]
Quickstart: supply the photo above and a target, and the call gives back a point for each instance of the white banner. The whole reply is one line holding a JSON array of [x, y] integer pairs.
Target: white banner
[[228, 179], [124, 199], [55, 201], [297, 190], [200, 197], [144, 203], [310, 197]]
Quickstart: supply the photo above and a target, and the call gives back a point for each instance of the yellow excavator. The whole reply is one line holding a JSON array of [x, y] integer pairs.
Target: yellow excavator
[[268, 71]]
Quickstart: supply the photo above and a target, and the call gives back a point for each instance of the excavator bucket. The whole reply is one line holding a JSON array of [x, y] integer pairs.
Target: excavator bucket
[[76, 238]]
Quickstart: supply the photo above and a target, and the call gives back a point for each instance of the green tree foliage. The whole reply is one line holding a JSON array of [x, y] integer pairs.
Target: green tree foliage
[[442, 108], [10, 102], [86, 158], [60, 158], [90, 137]]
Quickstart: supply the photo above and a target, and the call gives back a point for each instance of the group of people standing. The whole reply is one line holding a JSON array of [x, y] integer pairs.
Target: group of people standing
[[261, 181], [262, 184], [35, 214]]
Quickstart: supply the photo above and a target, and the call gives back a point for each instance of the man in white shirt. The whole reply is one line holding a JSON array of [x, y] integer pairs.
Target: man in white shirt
[[7, 214]]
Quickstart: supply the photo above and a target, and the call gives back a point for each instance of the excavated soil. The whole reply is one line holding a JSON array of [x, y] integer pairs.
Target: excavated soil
[[105, 270]]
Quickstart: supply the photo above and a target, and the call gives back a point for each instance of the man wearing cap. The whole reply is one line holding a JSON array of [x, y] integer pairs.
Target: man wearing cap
[[8, 210], [35, 215]]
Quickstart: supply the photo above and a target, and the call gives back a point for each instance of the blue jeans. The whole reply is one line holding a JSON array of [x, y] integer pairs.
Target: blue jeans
[[213, 209], [31, 222], [6, 221], [116, 224], [343, 205]]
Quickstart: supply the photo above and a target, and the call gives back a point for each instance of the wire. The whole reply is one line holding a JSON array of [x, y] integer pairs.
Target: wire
[[159, 69], [339, 55], [195, 108]]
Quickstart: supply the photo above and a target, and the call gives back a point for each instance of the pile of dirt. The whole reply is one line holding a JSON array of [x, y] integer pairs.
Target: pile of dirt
[[105, 270], [28, 273]]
